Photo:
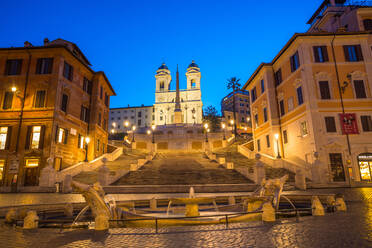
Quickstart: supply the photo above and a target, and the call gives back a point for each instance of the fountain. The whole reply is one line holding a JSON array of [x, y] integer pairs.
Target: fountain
[[192, 203]]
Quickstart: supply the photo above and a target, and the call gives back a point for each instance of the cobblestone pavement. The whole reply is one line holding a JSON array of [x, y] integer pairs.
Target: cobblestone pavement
[[350, 229]]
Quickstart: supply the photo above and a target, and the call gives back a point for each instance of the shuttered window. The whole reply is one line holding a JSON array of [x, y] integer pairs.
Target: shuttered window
[[87, 85], [285, 137], [268, 141], [44, 66], [367, 24], [320, 54], [64, 103], [353, 53], [281, 107], [68, 71], [254, 94], [295, 62], [360, 91], [300, 98], [366, 123], [8, 100], [258, 145], [84, 114], [278, 77], [40, 99], [325, 93], [265, 114], [330, 124], [35, 137], [13, 67]]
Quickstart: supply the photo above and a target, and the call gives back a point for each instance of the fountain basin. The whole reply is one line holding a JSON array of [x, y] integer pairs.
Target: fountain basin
[[192, 204]]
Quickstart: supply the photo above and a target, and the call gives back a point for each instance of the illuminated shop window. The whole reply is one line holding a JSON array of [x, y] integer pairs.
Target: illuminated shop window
[[2, 165], [61, 133]]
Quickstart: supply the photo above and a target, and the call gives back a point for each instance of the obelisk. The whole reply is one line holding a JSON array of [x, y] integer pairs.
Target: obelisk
[[177, 109]]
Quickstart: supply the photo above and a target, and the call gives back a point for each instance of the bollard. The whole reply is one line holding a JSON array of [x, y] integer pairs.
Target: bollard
[[153, 204], [340, 203], [317, 207], [31, 220]]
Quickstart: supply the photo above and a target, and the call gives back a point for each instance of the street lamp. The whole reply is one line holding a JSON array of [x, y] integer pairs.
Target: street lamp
[[87, 140], [153, 133], [277, 144], [14, 89], [133, 129], [224, 133], [206, 131], [126, 124]]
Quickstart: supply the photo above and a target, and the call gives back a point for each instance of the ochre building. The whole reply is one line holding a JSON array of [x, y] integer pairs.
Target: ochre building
[[313, 102], [52, 105]]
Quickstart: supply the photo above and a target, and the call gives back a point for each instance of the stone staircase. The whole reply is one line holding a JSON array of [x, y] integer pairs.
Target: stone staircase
[[182, 169]]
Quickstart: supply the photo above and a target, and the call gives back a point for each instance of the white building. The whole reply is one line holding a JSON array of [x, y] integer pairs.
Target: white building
[[190, 98], [142, 116]]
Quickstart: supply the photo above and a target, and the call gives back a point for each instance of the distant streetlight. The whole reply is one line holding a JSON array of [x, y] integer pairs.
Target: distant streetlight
[[87, 140], [14, 89], [112, 131], [133, 129], [224, 133], [153, 133], [277, 144], [206, 131]]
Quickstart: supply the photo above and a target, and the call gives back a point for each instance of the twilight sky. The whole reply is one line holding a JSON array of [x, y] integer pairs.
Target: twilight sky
[[129, 40]]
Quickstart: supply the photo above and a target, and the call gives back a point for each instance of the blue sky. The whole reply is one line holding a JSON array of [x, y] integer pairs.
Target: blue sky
[[129, 40]]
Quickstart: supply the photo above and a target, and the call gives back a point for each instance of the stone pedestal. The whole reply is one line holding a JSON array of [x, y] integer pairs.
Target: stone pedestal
[[221, 160], [300, 180], [260, 173], [102, 222], [192, 210], [31, 220], [153, 204], [103, 175], [11, 216], [317, 207], [315, 171], [48, 175], [340, 203], [232, 200], [66, 187]]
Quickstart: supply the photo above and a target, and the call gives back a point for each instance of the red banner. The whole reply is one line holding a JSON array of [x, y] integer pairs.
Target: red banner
[[349, 124]]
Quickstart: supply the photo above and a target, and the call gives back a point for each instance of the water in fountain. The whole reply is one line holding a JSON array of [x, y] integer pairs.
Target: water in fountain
[[192, 193], [169, 205], [80, 214]]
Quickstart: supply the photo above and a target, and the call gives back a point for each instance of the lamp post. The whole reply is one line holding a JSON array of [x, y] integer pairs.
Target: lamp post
[[87, 140], [126, 124], [224, 133], [133, 129], [206, 131], [277, 144], [153, 133]]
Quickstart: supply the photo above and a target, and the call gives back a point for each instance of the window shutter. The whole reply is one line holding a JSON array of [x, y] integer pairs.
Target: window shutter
[[28, 137], [325, 53], [79, 140], [7, 67], [56, 134], [38, 66], [8, 138], [19, 66], [71, 73], [359, 53], [66, 136], [90, 87], [346, 52], [316, 54], [42, 134], [292, 64], [50, 65]]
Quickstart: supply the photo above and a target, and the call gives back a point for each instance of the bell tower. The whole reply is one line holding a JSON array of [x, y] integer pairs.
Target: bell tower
[[193, 76], [163, 79]]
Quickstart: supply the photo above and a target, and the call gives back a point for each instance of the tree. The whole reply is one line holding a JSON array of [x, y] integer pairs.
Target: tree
[[233, 83], [211, 116]]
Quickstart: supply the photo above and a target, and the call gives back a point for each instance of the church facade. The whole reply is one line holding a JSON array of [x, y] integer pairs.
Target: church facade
[[191, 105]]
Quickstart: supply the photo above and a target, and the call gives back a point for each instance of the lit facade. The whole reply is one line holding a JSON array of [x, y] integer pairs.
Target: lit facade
[[190, 98], [316, 96], [51, 100]]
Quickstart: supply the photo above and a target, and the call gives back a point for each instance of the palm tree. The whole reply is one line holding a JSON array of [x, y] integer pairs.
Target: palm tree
[[233, 83]]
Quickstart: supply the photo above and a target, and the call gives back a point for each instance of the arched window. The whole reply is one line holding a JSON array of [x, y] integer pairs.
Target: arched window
[[161, 86], [193, 84], [367, 24]]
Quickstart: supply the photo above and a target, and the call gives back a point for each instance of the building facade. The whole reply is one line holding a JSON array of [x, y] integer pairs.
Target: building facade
[[313, 102], [242, 109], [123, 119], [190, 98], [51, 101]]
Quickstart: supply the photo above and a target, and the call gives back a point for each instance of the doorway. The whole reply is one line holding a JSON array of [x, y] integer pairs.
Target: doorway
[[337, 167], [31, 171]]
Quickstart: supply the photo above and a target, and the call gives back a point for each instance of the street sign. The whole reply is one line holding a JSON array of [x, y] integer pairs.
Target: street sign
[[13, 165]]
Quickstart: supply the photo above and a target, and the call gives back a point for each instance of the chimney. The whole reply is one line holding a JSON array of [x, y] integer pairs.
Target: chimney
[[27, 44], [46, 41]]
